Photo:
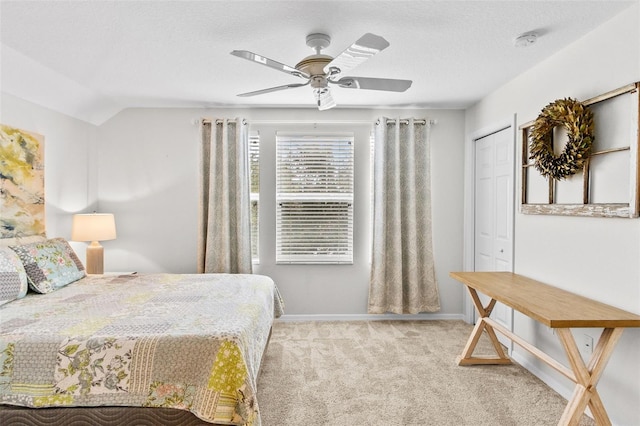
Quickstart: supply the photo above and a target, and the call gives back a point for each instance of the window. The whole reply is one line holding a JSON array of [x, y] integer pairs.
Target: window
[[254, 164], [314, 198]]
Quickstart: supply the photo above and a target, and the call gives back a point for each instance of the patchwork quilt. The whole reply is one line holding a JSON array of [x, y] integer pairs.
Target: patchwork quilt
[[191, 342]]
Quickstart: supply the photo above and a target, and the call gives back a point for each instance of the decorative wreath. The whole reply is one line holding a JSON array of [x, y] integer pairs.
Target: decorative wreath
[[578, 121]]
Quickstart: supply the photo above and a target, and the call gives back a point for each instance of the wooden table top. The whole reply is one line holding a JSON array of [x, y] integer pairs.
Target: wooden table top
[[552, 306]]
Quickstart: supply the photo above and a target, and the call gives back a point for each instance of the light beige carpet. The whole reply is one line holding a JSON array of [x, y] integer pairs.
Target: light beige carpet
[[386, 373]]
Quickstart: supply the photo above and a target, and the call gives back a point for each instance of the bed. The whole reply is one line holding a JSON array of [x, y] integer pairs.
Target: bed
[[154, 348]]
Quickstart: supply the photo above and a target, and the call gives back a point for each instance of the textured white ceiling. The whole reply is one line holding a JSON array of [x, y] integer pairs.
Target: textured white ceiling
[[92, 58]]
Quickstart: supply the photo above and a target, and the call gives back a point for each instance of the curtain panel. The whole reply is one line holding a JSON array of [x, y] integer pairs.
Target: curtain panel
[[403, 274], [224, 237]]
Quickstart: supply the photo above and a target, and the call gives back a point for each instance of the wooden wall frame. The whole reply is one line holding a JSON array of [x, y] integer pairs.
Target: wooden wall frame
[[627, 208]]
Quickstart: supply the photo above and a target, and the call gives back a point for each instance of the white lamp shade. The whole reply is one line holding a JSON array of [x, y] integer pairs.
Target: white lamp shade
[[93, 227]]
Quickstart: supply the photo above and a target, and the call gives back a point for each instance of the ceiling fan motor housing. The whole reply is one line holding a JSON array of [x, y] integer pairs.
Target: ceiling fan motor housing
[[314, 66]]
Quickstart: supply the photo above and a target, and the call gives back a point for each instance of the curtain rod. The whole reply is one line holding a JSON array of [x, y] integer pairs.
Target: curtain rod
[[208, 121], [389, 121], [404, 121]]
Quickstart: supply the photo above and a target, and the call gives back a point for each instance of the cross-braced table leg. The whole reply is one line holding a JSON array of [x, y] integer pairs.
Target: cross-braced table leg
[[587, 376], [484, 311]]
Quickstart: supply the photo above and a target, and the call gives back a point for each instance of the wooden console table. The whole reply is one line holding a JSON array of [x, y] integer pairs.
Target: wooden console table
[[557, 309]]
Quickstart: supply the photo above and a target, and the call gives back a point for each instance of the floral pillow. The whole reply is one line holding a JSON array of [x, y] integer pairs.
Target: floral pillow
[[50, 264], [13, 278]]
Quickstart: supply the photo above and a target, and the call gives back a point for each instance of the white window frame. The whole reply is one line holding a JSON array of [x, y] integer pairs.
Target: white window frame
[[327, 191]]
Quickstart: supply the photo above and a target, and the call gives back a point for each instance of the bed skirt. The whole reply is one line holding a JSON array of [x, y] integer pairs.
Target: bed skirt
[[112, 416]]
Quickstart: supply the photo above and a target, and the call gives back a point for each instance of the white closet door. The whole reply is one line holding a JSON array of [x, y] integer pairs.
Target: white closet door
[[494, 210]]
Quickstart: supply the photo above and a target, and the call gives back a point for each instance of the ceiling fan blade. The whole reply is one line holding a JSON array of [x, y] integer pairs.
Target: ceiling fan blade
[[388, 84], [273, 89], [269, 63], [324, 99], [364, 48]]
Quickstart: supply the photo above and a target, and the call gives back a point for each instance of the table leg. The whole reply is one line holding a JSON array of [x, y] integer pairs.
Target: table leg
[[484, 311], [587, 376]]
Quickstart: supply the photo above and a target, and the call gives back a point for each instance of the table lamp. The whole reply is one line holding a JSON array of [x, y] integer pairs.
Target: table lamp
[[94, 227]]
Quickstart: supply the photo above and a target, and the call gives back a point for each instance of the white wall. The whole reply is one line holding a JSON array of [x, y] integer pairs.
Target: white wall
[[595, 257], [69, 156], [148, 177]]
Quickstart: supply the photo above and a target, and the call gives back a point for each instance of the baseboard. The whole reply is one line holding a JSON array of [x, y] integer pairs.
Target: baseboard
[[561, 388], [554, 384], [368, 317]]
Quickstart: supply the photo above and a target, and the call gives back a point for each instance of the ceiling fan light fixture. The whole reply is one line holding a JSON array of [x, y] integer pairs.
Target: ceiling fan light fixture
[[318, 82], [324, 100], [525, 40]]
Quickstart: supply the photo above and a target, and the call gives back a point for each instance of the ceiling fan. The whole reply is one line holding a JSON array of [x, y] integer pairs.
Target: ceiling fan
[[320, 70]]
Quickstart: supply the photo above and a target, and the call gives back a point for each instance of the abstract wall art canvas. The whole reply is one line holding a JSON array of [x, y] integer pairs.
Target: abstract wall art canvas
[[21, 183]]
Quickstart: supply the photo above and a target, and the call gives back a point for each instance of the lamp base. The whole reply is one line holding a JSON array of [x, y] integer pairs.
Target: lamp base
[[95, 258]]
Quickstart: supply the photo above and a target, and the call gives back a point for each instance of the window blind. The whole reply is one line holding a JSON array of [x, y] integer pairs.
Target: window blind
[[314, 199], [254, 164]]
